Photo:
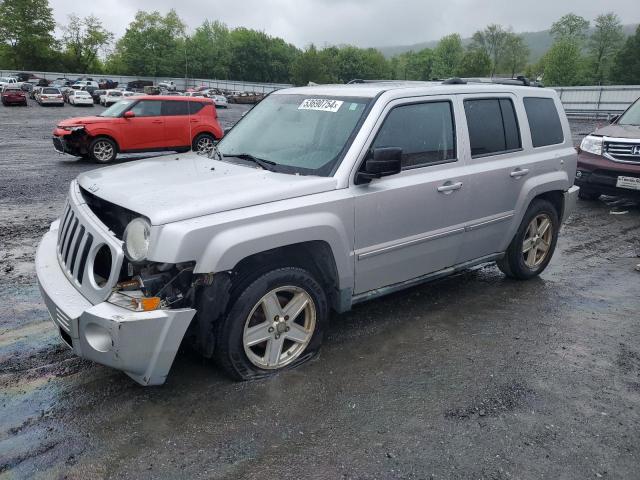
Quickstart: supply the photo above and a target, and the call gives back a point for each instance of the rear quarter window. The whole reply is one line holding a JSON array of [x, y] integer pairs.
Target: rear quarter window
[[544, 121]]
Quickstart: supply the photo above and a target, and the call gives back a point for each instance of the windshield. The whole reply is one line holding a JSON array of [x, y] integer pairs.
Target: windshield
[[116, 109], [632, 115], [298, 133]]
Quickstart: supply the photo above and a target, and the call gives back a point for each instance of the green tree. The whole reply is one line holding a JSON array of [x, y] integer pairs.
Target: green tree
[[515, 53], [82, 39], [474, 63], [570, 27], [603, 44], [562, 63], [260, 58], [26, 34], [491, 41], [209, 51], [626, 65], [153, 45], [357, 63], [447, 56], [310, 66]]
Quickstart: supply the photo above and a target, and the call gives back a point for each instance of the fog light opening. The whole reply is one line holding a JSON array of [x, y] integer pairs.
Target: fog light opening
[[98, 337]]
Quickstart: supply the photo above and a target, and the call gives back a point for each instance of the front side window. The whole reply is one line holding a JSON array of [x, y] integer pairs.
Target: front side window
[[493, 126], [306, 134], [544, 121], [147, 108], [424, 131]]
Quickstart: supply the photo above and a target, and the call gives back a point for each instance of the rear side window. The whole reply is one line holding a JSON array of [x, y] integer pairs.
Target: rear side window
[[195, 107], [493, 126], [424, 131], [544, 121], [171, 108]]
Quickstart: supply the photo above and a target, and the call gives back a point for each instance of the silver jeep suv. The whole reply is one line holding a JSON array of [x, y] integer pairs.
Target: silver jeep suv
[[320, 198]]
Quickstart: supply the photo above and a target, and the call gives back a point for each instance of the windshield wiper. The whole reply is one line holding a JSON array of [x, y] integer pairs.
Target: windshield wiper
[[261, 162]]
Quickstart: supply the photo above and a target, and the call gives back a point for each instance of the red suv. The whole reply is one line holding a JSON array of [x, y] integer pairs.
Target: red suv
[[141, 124]]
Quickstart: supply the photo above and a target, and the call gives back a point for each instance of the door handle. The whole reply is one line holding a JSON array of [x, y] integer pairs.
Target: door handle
[[449, 187], [519, 172], [157, 121], [194, 120]]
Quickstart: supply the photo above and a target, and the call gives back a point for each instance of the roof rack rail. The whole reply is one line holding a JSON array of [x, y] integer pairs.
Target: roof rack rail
[[519, 80]]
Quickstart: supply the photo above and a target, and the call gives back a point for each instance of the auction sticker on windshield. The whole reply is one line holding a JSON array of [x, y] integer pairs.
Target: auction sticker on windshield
[[321, 104]]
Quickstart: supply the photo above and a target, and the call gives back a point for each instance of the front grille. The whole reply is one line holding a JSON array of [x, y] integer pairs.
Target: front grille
[[74, 244], [623, 152]]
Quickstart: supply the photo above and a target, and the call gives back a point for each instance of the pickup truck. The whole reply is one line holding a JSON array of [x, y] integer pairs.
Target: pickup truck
[[320, 198]]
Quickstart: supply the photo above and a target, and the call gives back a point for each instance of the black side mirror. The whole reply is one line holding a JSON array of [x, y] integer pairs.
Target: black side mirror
[[381, 162]]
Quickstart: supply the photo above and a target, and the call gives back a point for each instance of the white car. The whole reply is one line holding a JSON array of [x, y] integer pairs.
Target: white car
[[50, 96], [110, 97], [85, 83], [194, 94], [220, 101], [9, 81], [80, 97], [170, 86]]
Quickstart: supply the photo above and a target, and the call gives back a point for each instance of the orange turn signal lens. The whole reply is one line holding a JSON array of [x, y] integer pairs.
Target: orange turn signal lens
[[146, 304]]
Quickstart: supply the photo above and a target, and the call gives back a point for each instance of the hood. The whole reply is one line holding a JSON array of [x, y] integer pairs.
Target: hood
[[178, 187], [84, 121], [619, 131]]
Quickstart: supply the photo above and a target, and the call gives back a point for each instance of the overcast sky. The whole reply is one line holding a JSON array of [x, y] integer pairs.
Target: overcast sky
[[359, 22]]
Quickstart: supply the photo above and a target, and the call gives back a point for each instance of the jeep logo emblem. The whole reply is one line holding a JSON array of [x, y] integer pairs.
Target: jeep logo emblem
[[635, 150]]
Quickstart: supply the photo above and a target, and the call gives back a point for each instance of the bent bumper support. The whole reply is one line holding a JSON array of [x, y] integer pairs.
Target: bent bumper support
[[142, 344]]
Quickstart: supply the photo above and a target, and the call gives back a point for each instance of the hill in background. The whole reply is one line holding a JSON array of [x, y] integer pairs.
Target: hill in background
[[538, 42]]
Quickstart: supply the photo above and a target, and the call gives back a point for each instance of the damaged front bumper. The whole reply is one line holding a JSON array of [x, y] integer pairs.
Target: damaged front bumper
[[142, 344]]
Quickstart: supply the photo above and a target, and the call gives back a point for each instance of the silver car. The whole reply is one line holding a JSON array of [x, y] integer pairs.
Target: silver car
[[320, 198]]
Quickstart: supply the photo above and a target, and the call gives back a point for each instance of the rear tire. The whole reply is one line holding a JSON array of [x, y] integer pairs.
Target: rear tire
[[203, 143], [533, 245], [103, 150], [258, 338]]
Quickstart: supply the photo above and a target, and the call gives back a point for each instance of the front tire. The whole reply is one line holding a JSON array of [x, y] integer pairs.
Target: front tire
[[276, 322], [103, 150], [533, 245]]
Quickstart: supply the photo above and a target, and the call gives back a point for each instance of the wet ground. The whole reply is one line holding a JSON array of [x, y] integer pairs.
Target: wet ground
[[474, 376]]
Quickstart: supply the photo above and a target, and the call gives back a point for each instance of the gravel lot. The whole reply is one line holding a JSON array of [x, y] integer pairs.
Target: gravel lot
[[474, 376]]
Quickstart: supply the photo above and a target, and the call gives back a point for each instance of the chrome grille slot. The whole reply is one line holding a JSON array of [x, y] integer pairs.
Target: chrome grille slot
[[622, 152], [63, 320]]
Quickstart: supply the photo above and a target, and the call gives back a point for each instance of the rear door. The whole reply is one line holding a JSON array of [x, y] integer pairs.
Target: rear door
[[498, 166], [145, 131], [177, 123]]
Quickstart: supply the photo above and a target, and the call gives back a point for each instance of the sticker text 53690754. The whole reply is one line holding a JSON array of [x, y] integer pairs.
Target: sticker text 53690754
[[321, 104]]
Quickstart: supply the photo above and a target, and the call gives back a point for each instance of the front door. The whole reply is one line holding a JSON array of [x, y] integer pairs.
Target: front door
[[145, 131], [410, 224]]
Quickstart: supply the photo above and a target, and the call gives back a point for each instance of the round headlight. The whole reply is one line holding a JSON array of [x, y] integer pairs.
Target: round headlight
[[136, 239]]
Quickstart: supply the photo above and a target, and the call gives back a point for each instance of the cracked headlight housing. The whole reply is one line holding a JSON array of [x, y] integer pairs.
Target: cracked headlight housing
[[136, 240], [592, 144]]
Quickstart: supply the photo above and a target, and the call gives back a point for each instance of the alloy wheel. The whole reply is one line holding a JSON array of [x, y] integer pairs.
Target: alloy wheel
[[537, 240], [103, 151], [279, 327]]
